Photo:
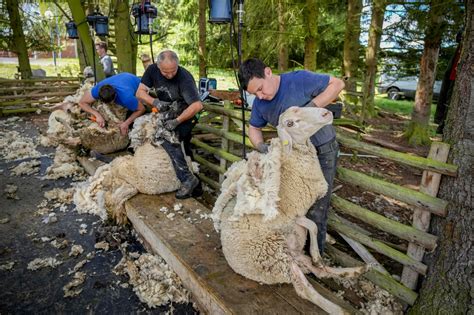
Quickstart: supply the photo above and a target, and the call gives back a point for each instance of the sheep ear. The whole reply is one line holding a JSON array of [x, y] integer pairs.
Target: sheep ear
[[285, 139]]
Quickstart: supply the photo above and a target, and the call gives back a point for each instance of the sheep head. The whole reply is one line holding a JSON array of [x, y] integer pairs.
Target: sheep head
[[297, 124]]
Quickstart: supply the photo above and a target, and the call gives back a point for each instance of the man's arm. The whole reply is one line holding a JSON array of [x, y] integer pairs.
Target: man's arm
[[124, 125], [85, 103], [142, 95], [189, 112], [331, 92]]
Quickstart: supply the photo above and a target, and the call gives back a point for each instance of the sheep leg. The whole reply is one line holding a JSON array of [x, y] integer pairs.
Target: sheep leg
[[304, 289], [313, 232]]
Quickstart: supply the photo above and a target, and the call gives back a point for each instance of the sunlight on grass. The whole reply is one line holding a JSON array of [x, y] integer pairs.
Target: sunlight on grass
[[400, 107]]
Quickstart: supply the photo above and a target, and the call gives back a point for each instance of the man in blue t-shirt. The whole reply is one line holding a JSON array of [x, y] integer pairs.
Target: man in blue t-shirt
[[120, 89], [274, 95]]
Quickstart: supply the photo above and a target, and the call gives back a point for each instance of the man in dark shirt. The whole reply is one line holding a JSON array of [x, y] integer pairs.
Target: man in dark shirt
[[178, 98]]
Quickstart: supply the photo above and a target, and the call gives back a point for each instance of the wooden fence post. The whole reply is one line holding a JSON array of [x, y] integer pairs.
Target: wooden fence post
[[225, 142], [421, 218]]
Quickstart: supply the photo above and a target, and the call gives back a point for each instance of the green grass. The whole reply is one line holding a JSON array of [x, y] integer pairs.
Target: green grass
[[70, 67], [400, 107]]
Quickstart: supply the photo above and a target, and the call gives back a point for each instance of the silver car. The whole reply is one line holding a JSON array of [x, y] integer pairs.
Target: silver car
[[396, 88]]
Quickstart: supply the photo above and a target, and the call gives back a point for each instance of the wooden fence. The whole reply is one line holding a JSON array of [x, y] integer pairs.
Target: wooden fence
[[22, 96], [219, 144]]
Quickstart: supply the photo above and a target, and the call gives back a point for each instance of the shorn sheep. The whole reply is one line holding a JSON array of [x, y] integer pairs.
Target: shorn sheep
[[262, 206]]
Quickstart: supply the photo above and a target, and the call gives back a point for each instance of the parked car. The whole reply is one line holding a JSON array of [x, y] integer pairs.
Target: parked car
[[396, 88]]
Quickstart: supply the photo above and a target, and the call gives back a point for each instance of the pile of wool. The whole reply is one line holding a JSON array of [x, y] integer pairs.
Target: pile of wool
[[26, 168], [149, 127], [10, 191], [153, 281], [378, 300], [60, 195], [64, 164], [39, 263], [15, 147]]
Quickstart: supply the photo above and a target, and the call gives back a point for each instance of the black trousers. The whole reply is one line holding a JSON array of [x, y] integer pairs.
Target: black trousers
[[184, 134]]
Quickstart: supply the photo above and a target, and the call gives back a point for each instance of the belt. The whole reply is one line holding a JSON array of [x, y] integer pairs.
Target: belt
[[328, 147]]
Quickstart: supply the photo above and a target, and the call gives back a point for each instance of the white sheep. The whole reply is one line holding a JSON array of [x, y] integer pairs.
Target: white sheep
[[262, 235]]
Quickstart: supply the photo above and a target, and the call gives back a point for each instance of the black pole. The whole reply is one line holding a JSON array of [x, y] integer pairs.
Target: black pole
[[93, 54], [240, 14]]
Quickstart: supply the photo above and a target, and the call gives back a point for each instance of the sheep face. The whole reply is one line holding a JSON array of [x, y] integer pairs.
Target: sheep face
[[298, 124]]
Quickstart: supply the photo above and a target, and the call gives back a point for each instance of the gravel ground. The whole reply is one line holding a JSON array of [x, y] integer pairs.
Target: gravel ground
[[24, 237]]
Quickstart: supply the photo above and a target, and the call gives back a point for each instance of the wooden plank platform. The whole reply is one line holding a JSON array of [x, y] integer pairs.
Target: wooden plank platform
[[193, 251]]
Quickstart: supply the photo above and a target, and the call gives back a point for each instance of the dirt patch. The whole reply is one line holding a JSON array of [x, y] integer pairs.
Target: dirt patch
[[35, 228]]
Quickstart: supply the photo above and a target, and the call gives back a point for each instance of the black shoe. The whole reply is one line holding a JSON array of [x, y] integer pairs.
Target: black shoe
[[187, 188], [100, 157], [197, 192]]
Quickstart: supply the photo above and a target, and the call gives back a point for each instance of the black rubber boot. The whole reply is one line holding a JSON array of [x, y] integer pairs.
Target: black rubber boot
[[197, 192], [187, 188]]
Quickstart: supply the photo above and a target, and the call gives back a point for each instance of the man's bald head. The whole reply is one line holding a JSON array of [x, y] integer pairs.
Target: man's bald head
[[168, 62]]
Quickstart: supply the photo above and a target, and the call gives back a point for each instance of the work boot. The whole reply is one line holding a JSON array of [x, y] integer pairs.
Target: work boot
[[197, 192], [187, 188]]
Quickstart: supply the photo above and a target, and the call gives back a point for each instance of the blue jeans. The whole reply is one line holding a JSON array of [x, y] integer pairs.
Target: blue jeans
[[327, 155]]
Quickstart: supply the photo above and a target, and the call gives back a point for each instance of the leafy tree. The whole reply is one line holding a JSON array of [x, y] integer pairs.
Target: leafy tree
[[418, 129], [448, 285], [18, 38]]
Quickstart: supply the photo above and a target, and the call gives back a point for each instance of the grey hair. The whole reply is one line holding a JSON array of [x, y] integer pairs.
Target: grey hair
[[167, 55]]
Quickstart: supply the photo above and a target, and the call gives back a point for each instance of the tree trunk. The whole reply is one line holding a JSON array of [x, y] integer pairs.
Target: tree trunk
[[202, 52], [418, 130], [19, 39], [310, 20], [375, 34], [124, 42], [81, 54], [282, 43], [448, 286], [351, 43], [79, 16]]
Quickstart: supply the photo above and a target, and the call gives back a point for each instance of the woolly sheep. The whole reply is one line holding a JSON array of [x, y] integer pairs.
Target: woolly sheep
[[265, 243]]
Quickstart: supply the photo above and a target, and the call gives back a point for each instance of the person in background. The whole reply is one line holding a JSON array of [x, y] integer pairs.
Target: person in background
[[119, 89], [174, 83], [105, 60], [146, 61], [274, 95]]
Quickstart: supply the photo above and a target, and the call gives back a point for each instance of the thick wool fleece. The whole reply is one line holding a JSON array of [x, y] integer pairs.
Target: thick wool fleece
[[257, 248]]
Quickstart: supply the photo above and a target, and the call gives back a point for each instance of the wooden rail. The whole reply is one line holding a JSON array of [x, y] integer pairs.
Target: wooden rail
[[22, 96]]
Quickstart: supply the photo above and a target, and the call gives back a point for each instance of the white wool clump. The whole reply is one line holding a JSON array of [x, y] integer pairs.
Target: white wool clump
[[102, 245], [143, 130], [379, 301], [153, 281], [11, 190], [39, 263], [255, 183], [26, 168], [60, 195], [64, 164], [10, 121], [15, 147], [89, 195], [76, 250], [7, 266], [70, 289]]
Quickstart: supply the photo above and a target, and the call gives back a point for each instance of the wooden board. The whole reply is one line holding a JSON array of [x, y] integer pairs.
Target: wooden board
[[193, 251]]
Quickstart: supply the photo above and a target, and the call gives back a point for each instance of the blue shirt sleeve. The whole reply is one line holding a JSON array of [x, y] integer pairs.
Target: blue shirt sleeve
[[314, 83], [95, 92]]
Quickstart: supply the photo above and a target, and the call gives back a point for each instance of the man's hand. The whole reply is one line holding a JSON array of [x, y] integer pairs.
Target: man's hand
[[123, 126], [100, 120], [262, 147], [171, 124], [162, 106]]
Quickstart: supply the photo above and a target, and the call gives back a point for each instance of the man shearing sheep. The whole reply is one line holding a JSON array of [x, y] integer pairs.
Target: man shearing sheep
[[119, 89], [275, 94], [174, 84]]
